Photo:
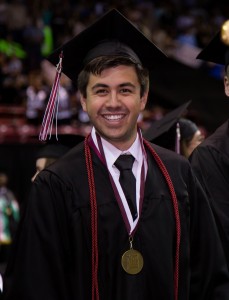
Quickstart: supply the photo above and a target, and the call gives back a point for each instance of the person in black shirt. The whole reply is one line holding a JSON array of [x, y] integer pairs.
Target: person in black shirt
[[210, 160]]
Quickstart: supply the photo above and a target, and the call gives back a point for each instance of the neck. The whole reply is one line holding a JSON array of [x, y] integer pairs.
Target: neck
[[122, 145]]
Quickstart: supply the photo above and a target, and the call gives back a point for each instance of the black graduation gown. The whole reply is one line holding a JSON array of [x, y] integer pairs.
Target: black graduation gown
[[210, 161], [52, 255]]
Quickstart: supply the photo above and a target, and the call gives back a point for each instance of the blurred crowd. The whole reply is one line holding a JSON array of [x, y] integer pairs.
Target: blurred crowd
[[30, 30]]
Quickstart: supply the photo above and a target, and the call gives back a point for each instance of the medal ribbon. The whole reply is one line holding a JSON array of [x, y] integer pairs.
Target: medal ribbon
[[101, 156], [89, 142]]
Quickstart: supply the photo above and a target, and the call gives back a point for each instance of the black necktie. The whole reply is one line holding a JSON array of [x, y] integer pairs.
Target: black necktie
[[127, 180]]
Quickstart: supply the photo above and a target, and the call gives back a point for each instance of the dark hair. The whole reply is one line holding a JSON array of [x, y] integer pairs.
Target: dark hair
[[187, 129], [97, 65], [227, 70]]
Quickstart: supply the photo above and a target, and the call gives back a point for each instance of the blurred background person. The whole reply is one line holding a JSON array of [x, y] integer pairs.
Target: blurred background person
[[54, 149], [210, 160], [175, 132], [9, 218], [36, 97], [190, 136]]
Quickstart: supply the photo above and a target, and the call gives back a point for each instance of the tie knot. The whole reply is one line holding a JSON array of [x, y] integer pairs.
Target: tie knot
[[124, 162]]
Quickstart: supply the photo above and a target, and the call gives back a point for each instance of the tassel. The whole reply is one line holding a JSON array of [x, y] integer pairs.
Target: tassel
[[52, 106], [177, 149]]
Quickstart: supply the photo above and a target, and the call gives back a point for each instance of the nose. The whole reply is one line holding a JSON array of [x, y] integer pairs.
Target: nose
[[113, 99]]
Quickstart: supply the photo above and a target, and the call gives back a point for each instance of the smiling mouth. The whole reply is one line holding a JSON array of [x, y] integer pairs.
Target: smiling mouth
[[114, 117]]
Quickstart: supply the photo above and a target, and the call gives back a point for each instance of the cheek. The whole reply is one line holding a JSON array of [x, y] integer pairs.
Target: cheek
[[91, 108], [192, 146]]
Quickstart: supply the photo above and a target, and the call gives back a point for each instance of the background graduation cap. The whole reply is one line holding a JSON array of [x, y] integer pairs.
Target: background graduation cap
[[173, 82], [54, 148], [163, 132], [217, 51]]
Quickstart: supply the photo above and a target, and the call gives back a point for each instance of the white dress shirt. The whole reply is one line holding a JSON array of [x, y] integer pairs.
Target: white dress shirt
[[111, 154]]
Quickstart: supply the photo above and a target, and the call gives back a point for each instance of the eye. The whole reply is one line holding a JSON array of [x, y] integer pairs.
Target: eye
[[101, 92], [125, 91]]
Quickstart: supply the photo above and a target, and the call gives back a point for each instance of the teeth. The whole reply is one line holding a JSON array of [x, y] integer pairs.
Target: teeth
[[113, 117]]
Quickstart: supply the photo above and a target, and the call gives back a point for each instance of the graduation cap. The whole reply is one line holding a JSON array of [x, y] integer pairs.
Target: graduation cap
[[54, 148], [112, 35], [166, 131], [217, 51]]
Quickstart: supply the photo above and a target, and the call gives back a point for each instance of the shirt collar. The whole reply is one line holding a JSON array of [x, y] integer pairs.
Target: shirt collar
[[112, 153]]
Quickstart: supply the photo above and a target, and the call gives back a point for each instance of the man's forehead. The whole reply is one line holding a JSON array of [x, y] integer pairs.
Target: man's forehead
[[122, 74]]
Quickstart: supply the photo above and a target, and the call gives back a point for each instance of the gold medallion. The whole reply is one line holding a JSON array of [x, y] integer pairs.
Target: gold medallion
[[132, 261]]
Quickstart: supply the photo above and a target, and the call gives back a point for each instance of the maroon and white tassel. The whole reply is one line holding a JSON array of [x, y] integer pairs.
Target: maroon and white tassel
[[52, 106]]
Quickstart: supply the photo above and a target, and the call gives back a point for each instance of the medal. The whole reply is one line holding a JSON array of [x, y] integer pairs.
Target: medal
[[132, 260]]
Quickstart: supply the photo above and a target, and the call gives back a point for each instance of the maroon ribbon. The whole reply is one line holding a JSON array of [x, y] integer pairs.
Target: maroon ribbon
[[101, 156]]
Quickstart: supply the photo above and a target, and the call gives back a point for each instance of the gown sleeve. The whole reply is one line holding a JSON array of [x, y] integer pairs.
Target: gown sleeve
[[209, 278], [211, 167], [38, 265]]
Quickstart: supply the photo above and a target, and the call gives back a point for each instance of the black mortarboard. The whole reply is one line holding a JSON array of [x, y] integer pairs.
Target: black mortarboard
[[121, 37], [54, 148], [217, 51], [163, 132], [112, 35]]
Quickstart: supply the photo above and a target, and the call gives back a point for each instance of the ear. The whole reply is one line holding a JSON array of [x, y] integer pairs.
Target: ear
[[226, 86], [143, 100], [83, 102]]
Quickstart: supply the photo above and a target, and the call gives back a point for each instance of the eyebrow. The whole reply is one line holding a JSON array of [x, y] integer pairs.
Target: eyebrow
[[98, 85]]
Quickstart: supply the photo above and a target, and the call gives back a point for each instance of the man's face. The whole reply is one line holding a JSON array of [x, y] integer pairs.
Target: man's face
[[40, 165], [226, 84], [196, 140], [113, 104]]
